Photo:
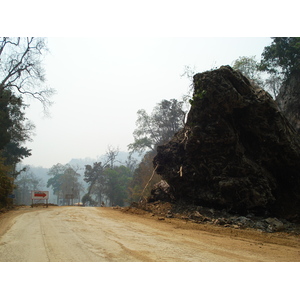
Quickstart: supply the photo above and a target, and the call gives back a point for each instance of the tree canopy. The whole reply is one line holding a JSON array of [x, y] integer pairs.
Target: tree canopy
[[65, 183], [282, 56], [249, 67], [26, 182], [93, 175], [15, 128], [159, 127], [108, 181], [6, 185]]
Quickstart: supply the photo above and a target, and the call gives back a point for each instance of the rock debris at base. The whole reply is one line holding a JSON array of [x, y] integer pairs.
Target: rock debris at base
[[204, 215]]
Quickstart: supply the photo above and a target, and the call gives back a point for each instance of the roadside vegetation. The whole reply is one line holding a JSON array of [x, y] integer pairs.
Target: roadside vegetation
[[21, 77]]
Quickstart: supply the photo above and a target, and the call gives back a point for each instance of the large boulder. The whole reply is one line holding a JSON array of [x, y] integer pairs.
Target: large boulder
[[237, 150]]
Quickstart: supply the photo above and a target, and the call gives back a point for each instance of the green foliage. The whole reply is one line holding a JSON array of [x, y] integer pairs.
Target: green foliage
[[199, 94], [282, 56], [64, 181], [94, 176], [191, 101], [273, 84], [13, 132], [5, 120], [14, 128], [249, 67], [6, 185], [25, 183], [166, 119], [70, 184], [116, 184], [110, 182], [55, 181], [87, 199], [15, 153]]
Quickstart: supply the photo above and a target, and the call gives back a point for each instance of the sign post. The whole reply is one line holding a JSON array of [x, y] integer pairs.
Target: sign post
[[39, 196], [69, 197]]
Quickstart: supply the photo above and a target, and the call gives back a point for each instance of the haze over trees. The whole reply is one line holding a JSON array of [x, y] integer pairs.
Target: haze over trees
[[26, 182], [107, 181], [65, 183]]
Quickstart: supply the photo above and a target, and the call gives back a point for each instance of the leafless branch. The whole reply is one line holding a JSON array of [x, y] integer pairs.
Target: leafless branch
[[21, 69]]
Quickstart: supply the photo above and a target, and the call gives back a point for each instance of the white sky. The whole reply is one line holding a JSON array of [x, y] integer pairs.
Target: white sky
[[101, 83]]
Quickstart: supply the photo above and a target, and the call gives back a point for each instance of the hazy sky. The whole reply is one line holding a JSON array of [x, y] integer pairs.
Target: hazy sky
[[101, 83]]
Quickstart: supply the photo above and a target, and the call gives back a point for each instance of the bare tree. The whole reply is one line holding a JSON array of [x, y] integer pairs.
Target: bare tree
[[21, 69], [111, 155]]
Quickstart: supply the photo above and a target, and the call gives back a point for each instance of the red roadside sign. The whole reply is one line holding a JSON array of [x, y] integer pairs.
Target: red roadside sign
[[40, 195]]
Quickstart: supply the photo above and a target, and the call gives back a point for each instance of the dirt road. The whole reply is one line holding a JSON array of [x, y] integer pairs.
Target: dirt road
[[87, 234]]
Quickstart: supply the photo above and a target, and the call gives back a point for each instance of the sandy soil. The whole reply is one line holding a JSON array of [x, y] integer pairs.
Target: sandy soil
[[90, 234]]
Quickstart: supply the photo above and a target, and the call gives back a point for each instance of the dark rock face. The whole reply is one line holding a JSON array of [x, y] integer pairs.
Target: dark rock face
[[236, 151], [161, 191], [288, 100]]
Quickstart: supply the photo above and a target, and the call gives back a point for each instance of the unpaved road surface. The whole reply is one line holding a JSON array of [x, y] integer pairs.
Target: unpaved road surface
[[90, 234]]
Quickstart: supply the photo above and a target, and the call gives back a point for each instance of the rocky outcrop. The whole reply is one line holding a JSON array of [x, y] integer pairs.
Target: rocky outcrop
[[288, 100], [237, 150], [161, 191]]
